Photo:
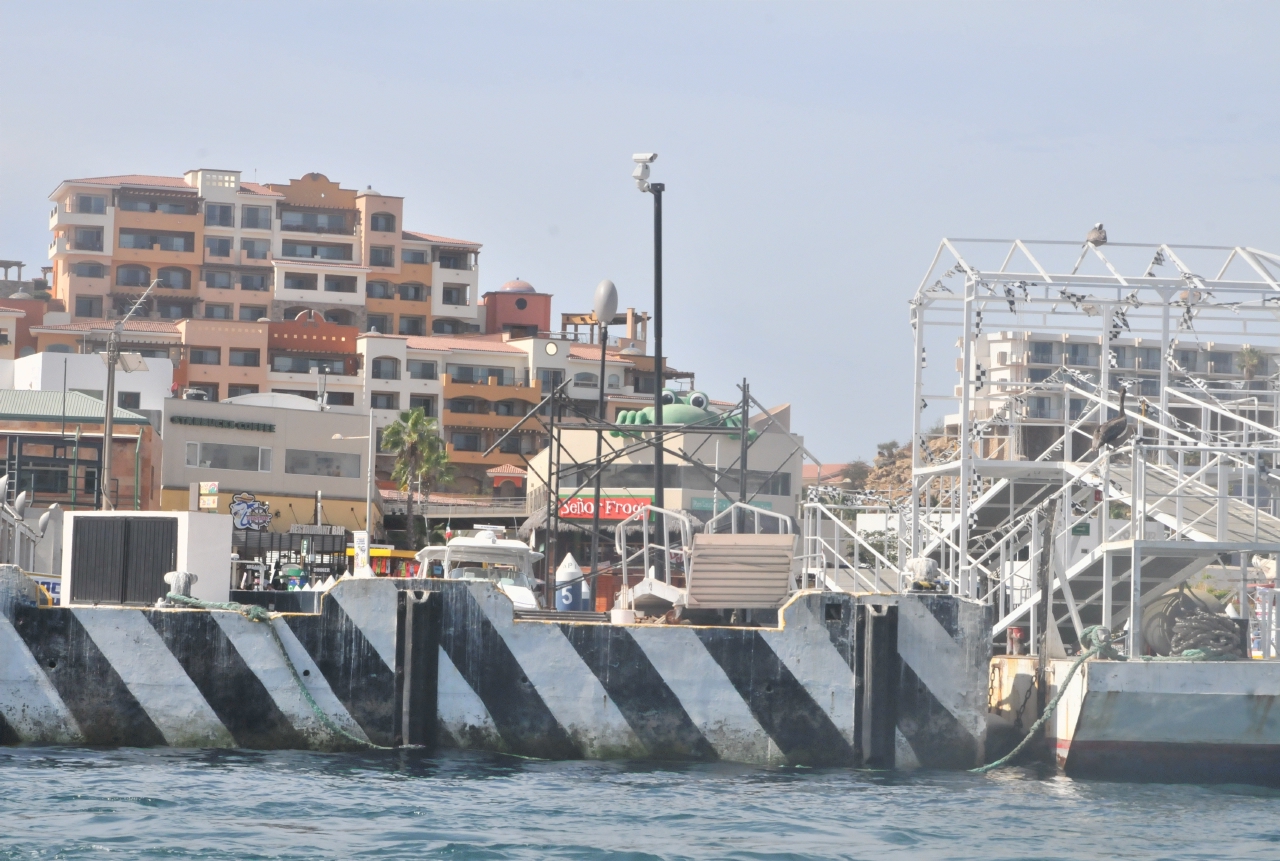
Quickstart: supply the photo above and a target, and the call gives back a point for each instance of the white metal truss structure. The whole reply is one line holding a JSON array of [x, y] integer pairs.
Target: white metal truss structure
[[1192, 481]]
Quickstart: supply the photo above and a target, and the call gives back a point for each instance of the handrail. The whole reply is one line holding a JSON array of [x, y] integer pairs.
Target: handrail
[[784, 522], [641, 516]]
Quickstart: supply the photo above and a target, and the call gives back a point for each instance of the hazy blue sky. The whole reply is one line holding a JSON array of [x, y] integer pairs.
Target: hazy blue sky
[[814, 154]]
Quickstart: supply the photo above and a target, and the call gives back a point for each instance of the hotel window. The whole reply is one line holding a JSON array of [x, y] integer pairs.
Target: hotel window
[[586, 380], [385, 401], [235, 391], [454, 294], [169, 207], [180, 242], [217, 455], [382, 222], [385, 368], [255, 217], [129, 400], [413, 325], [216, 279], [314, 222], [133, 276], [466, 442], [450, 261], [509, 408], [217, 312], [379, 323], [1041, 352], [420, 370], [379, 290], [614, 381], [217, 246], [315, 251], [382, 255], [299, 281], [88, 239], [206, 356], [426, 403], [255, 249], [462, 405], [255, 283], [340, 399], [413, 256], [172, 311], [174, 278], [413, 292], [219, 215], [243, 358], [340, 283], [91, 204], [90, 270], [334, 464], [252, 313], [441, 326], [88, 306]]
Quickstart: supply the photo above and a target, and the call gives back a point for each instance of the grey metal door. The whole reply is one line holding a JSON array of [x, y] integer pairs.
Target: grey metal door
[[122, 560]]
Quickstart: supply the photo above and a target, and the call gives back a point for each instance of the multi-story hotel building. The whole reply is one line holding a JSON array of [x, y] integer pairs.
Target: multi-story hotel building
[[225, 249]]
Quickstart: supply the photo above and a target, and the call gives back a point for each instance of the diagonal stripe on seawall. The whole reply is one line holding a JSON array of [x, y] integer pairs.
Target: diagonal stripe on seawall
[[261, 656], [779, 702], [371, 607], [936, 659], [154, 677], [566, 684], [29, 702], [805, 647], [712, 702], [461, 712], [635, 686]]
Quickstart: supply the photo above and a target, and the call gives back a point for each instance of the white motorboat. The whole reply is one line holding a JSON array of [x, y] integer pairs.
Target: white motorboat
[[485, 557]]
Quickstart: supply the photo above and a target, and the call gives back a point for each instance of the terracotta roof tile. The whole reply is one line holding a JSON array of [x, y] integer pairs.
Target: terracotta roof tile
[[480, 344], [592, 351], [168, 327], [441, 240], [134, 179], [255, 188], [505, 469]]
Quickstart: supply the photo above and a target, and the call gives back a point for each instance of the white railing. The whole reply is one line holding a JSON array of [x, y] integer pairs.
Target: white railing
[[667, 522], [831, 546]]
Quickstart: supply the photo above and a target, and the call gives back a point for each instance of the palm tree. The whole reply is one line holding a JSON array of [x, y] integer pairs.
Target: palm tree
[[421, 455], [1251, 358]]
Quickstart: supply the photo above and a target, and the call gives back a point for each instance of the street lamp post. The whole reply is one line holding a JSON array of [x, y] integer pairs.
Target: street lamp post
[[606, 305], [641, 176], [368, 490], [113, 358]]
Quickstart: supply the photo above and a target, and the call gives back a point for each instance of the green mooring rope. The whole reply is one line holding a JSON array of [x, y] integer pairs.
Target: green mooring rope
[[1101, 639], [255, 613]]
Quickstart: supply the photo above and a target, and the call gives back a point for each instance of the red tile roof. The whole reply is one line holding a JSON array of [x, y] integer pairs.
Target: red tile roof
[[480, 343], [592, 351], [255, 188], [134, 179], [131, 326], [441, 240], [505, 469], [810, 471]]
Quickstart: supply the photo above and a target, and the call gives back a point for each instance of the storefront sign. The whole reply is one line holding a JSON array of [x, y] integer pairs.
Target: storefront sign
[[207, 487], [209, 502], [248, 512], [264, 427], [611, 507], [360, 542]]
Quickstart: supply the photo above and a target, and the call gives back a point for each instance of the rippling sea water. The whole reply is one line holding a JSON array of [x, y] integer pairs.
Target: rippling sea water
[[77, 803]]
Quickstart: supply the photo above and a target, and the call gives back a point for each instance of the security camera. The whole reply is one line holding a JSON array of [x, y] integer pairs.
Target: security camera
[[645, 157], [641, 172]]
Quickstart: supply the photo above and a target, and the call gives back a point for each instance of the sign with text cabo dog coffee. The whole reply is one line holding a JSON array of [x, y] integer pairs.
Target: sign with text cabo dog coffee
[[611, 507]]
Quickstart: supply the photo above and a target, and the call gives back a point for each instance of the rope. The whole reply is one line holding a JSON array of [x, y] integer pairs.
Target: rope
[[1101, 639], [255, 613]]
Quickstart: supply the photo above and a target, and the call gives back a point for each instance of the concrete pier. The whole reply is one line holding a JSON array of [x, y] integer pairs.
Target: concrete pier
[[842, 680]]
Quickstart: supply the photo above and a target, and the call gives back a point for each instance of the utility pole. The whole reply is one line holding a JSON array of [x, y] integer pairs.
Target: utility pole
[[113, 359]]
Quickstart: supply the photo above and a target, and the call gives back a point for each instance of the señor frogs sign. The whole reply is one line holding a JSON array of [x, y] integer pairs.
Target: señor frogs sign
[[611, 507]]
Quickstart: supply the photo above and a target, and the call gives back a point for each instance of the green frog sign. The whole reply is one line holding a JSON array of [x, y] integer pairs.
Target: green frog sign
[[693, 408]]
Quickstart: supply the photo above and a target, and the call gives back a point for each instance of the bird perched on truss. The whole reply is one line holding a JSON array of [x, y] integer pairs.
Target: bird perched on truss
[[1111, 434], [1097, 236]]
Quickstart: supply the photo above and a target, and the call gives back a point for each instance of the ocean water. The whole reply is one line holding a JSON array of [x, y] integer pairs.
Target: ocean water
[[80, 803]]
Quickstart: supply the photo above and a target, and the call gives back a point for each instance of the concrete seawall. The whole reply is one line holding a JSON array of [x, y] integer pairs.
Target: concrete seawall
[[842, 681]]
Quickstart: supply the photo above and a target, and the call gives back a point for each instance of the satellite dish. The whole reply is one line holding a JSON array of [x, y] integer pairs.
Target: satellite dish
[[20, 504], [606, 302], [4, 486]]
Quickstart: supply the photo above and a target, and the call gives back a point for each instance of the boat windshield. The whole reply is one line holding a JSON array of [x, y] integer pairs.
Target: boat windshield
[[503, 575]]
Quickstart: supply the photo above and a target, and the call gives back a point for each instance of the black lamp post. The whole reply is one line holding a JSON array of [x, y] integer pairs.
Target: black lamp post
[[606, 306], [641, 176]]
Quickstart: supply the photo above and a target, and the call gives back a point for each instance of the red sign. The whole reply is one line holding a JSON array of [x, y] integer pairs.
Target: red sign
[[611, 507]]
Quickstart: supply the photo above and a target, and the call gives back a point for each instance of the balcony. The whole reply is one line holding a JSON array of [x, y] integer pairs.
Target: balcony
[[60, 216], [492, 421], [477, 457], [491, 390]]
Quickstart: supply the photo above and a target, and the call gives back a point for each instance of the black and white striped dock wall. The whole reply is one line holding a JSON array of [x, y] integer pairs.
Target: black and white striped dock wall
[[199, 678], [944, 646], [825, 688]]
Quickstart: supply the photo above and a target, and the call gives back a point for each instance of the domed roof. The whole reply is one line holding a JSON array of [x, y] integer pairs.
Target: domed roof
[[517, 286]]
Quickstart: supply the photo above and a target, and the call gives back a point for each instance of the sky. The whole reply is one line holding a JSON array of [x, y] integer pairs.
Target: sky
[[814, 154]]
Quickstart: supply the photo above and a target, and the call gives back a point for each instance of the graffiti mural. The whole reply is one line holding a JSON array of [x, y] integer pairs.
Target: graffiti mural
[[249, 512]]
